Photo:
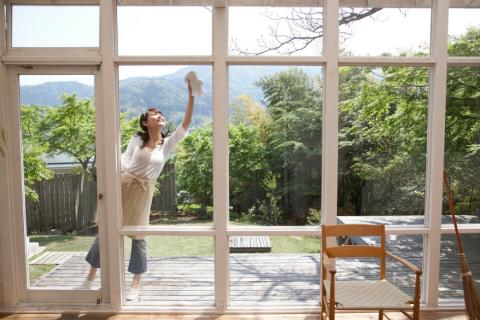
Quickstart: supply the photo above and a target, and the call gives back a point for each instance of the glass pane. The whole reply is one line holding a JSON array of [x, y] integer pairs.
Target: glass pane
[[55, 26], [462, 143], [275, 132], [148, 30], [275, 31], [384, 31], [179, 270], [280, 270], [409, 247], [182, 170], [451, 287], [382, 143], [58, 143], [464, 32]]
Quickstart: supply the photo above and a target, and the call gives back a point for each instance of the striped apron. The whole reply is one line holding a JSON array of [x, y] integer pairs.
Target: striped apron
[[137, 195]]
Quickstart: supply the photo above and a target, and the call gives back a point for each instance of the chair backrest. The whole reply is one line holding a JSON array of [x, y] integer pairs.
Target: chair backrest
[[350, 251]]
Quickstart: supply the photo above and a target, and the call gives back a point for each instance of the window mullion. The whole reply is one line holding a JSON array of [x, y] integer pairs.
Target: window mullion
[[108, 148], [330, 114], [220, 155], [435, 149]]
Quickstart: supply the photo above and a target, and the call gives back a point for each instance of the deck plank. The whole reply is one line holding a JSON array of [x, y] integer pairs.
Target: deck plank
[[284, 279]]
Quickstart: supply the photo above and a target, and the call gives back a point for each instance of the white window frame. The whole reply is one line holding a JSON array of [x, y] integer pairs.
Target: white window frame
[[16, 231], [107, 97]]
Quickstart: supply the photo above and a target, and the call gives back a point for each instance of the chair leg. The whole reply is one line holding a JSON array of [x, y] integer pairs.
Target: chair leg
[[380, 314], [416, 311], [324, 311]]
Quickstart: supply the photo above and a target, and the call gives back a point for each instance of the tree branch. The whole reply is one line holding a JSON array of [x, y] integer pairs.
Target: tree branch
[[304, 27]]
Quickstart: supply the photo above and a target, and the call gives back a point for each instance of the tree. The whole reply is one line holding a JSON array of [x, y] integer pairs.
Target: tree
[[194, 165], [294, 131], [462, 130], [247, 111], [383, 121], [33, 147], [305, 28], [247, 166], [70, 129]]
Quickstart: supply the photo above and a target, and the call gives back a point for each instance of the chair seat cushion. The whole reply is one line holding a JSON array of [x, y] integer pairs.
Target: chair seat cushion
[[369, 295]]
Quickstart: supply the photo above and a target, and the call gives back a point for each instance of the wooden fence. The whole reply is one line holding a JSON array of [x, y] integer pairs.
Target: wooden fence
[[56, 208]]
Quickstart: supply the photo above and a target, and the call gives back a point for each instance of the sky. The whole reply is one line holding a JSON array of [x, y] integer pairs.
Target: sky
[[160, 31]]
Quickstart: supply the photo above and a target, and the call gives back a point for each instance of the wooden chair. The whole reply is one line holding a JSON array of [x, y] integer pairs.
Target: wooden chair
[[363, 294]]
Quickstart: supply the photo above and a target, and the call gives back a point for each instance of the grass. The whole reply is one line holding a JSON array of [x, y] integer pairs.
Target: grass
[[63, 243], [177, 245], [164, 246], [295, 244], [36, 271]]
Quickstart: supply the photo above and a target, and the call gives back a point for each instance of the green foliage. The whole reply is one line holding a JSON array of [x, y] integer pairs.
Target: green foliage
[[466, 45], [34, 168], [314, 216], [275, 149], [194, 165], [247, 166], [70, 129], [267, 210], [382, 145], [66, 129], [462, 130], [127, 129], [293, 137]]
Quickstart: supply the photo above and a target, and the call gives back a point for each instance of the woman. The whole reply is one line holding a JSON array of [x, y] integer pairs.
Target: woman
[[142, 163]]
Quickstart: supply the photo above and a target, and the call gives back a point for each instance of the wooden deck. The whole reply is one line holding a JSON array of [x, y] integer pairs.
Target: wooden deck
[[256, 279], [189, 281], [426, 315], [264, 278]]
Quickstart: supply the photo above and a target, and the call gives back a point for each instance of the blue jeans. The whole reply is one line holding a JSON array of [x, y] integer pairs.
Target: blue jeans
[[138, 256]]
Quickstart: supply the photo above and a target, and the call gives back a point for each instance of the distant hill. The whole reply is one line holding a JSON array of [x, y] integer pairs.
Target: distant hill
[[167, 92], [49, 93]]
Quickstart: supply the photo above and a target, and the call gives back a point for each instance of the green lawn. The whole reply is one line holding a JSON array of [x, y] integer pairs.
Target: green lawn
[[177, 245], [37, 270], [63, 243]]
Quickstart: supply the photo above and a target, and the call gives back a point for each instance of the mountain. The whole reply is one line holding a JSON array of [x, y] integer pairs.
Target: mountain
[[49, 93], [167, 92]]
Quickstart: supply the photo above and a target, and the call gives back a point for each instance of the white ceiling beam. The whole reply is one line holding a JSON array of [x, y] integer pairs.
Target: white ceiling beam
[[54, 2], [220, 3], [167, 2], [260, 3]]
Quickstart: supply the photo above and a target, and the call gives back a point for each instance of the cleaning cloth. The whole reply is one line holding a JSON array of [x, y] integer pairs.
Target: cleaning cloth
[[197, 85]]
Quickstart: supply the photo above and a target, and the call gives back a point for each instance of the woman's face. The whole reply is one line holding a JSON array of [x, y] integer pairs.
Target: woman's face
[[155, 119]]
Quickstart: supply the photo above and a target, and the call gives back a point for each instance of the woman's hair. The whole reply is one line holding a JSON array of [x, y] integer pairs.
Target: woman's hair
[[144, 133]]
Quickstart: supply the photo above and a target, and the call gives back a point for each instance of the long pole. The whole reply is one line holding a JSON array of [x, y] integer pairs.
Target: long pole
[[452, 211]]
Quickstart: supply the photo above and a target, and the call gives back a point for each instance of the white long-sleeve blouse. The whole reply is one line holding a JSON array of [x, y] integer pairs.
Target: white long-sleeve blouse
[[147, 164]]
